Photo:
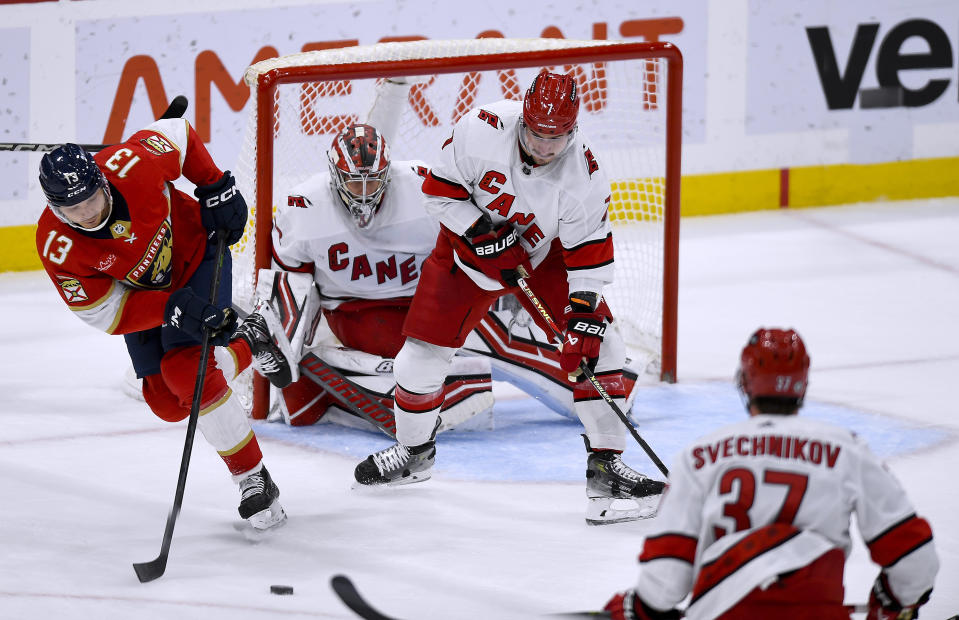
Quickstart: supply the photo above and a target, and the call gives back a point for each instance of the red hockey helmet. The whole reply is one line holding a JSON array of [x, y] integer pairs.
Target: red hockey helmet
[[550, 108], [774, 364], [359, 162]]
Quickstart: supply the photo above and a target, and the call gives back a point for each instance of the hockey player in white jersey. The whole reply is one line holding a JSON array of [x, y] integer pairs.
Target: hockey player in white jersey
[[360, 232], [516, 187], [755, 523]]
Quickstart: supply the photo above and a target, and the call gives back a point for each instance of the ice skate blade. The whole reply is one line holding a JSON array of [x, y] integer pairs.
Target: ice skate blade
[[421, 476], [268, 518], [600, 510]]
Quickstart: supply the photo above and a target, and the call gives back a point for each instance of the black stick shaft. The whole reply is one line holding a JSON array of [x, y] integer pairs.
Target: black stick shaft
[[148, 571], [543, 312]]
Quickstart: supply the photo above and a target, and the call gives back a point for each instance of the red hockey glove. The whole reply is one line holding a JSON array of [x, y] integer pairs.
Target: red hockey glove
[[191, 314], [223, 208], [498, 252], [884, 606], [585, 329], [627, 606]]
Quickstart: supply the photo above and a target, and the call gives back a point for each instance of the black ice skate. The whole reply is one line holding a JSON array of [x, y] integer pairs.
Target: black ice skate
[[608, 479], [397, 465], [258, 501], [262, 331]]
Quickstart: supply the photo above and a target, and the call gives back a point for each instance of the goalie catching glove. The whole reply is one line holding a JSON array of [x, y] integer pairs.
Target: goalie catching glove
[[585, 328], [223, 208], [191, 314], [498, 251]]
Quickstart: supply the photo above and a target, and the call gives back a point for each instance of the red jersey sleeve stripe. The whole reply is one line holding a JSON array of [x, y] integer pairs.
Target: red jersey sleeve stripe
[[438, 186], [590, 255], [675, 546], [304, 268], [899, 540]]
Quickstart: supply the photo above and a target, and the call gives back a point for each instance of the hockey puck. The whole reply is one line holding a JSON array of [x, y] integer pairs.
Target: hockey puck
[[281, 589]]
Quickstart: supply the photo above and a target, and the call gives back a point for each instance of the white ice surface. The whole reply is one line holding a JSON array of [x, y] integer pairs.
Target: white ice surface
[[88, 474]]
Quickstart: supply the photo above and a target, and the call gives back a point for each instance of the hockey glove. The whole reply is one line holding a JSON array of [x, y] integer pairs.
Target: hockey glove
[[191, 314], [884, 606], [627, 606], [223, 208], [585, 329], [498, 252]]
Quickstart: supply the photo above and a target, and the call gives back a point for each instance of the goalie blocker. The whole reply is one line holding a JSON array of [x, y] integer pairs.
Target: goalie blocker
[[507, 345]]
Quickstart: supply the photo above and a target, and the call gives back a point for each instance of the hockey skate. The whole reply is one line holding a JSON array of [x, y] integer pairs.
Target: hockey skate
[[258, 501], [262, 331], [397, 465], [609, 480]]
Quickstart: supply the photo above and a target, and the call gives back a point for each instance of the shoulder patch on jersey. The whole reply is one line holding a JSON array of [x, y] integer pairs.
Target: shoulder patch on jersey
[[298, 201], [156, 144], [591, 164], [491, 119], [120, 229], [72, 289]]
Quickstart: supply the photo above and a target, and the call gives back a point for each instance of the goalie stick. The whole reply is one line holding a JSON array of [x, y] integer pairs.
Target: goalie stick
[[175, 110], [543, 312], [148, 571], [349, 394]]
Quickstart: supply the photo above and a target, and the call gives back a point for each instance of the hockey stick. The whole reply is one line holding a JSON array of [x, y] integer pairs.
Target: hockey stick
[[543, 312], [175, 110], [349, 394], [148, 571], [348, 593]]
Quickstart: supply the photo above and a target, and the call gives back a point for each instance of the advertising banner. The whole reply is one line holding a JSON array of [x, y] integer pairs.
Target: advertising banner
[[876, 69], [123, 64]]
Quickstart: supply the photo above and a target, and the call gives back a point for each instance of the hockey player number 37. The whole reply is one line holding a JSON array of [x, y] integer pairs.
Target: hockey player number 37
[[738, 509]]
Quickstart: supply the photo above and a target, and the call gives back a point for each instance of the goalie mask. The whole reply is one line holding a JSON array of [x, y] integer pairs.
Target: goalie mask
[[360, 171], [774, 364], [550, 108], [76, 190]]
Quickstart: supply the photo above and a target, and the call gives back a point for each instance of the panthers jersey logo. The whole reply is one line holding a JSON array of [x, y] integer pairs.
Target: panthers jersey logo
[[154, 269]]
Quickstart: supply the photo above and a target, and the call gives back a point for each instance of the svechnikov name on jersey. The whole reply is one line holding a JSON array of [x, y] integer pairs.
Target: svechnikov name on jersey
[[786, 447]]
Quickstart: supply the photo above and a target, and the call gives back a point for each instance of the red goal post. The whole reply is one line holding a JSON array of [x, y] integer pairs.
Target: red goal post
[[631, 112]]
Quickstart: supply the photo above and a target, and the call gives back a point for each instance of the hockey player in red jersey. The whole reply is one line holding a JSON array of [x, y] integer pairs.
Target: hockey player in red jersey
[[516, 188], [132, 255], [755, 523]]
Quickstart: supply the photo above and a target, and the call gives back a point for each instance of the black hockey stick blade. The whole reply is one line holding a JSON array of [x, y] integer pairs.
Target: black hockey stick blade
[[347, 593], [176, 108]]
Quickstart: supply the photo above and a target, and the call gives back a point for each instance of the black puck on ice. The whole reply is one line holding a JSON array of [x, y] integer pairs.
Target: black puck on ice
[[281, 589]]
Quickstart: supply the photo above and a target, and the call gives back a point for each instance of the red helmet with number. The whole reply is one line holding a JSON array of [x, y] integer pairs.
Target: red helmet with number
[[359, 162], [774, 364], [551, 104]]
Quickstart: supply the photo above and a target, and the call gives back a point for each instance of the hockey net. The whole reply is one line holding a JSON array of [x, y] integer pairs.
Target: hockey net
[[630, 111]]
